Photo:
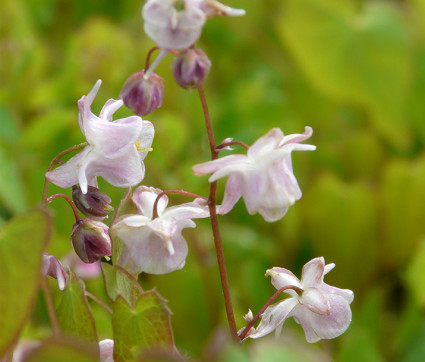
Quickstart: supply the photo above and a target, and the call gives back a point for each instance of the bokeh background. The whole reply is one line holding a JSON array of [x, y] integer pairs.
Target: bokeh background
[[354, 70]]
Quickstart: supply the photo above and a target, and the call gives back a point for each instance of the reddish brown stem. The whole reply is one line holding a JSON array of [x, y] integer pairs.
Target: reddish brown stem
[[232, 143], [270, 301], [98, 301], [148, 58], [181, 192], [214, 223], [73, 207]]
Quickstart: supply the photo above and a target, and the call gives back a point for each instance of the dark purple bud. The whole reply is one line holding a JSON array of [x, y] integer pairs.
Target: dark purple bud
[[190, 68], [91, 240], [143, 95], [95, 204]]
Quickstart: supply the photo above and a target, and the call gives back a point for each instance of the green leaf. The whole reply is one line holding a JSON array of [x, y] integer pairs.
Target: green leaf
[[117, 283], [74, 314], [351, 56], [22, 241], [66, 350], [11, 186], [146, 327]]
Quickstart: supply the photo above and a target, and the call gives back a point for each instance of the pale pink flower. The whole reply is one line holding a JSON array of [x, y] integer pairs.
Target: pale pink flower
[[172, 27], [156, 245], [322, 310], [263, 177], [115, 150]]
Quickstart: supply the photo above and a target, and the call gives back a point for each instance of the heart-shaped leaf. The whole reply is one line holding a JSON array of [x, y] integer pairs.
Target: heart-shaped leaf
[[146, 327], [74, 314]]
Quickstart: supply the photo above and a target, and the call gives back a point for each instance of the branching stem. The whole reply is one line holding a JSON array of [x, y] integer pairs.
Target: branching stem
[[73, 207], [270, 301]]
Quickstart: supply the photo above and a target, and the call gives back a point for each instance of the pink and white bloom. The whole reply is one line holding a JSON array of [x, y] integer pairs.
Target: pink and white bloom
[[322, 310], [115, 149], [156, 245], [263, 177], [51, 266], [177, 24]]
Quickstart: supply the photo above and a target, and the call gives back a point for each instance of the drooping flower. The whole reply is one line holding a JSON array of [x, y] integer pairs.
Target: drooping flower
[[156, 245], [322, 310], [91, 240], [115, 150], [52, 266], [143, 94], [263, 177], [177, 24], [190, 68]]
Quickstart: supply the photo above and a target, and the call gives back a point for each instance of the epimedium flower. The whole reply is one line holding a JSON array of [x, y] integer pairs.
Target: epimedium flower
[[263, 177], [177, 24], [115, 149], [156, 245], [323, 311]]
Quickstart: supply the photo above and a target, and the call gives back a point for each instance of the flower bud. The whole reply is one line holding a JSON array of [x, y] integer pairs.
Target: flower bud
[[190, 68], [95, 204], [143, 95], [91, 240]]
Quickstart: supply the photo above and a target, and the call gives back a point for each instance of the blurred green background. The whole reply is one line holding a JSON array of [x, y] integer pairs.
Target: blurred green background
[[354, 70]]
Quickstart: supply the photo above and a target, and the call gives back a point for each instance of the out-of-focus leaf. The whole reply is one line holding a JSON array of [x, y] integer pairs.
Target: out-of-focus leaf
[[146, 327], [416, 274], [8, 129], [352, 56], [342, 225], [44, 129], [402, 199], [22, 241], [64, 350], [74, 315], [117, 283], [12, 193]]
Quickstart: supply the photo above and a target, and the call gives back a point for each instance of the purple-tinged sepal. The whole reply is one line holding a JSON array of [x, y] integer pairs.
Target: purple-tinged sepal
[[190, 68], [95, 204], [91, 240], [143, 94], [51, 266]]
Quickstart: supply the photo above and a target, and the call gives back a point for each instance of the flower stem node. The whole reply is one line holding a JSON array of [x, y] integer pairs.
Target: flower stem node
[[190, 68], [95, 204], [143, 94], [91, 240]]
